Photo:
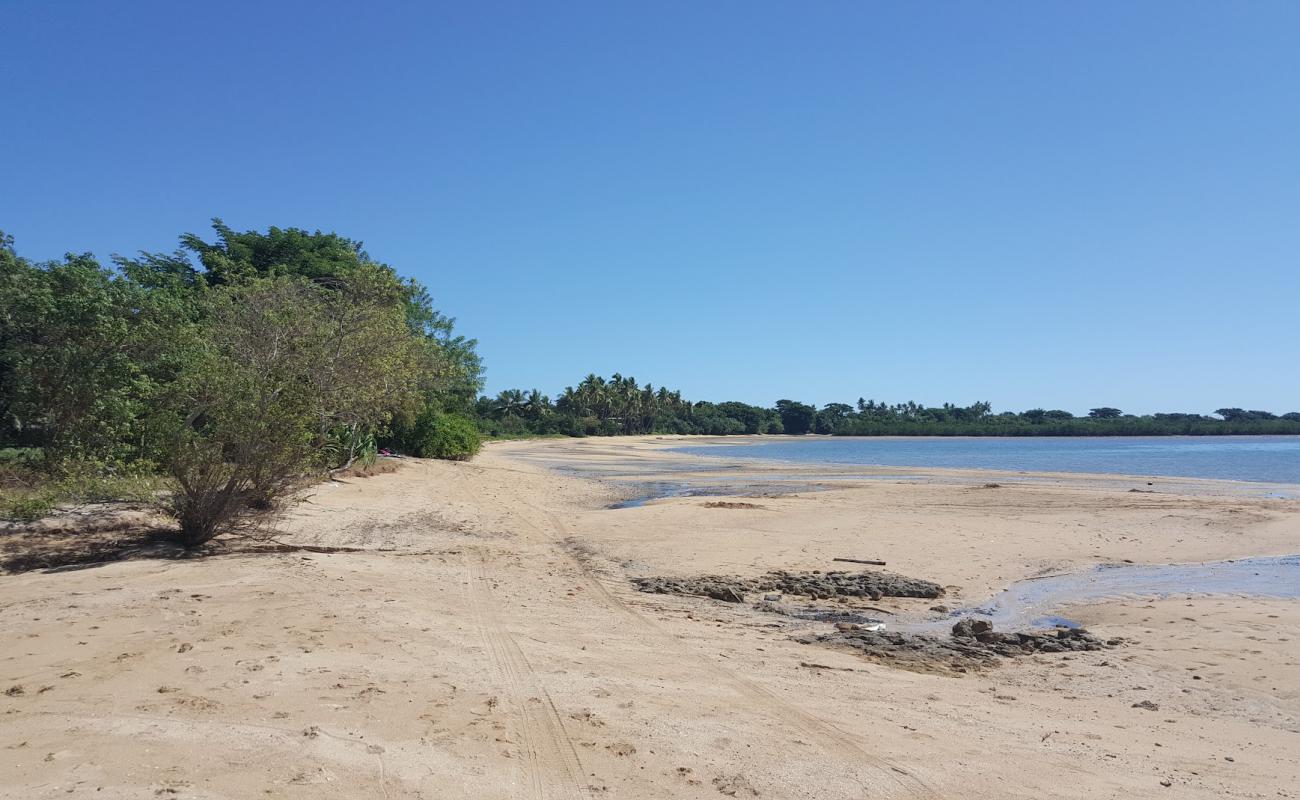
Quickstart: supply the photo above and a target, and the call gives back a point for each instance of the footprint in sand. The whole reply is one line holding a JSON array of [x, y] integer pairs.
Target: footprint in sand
[[734, 786]]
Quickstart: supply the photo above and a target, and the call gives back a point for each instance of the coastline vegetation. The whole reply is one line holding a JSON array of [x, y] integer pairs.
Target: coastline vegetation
[[220, 378], [620, 406], [216, 380]]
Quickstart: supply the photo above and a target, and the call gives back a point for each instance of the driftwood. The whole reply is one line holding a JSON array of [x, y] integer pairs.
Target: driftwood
[[875, 609], [860, 561]]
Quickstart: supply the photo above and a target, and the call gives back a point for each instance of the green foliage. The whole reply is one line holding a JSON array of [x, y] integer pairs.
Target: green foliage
[[241, 367], [295, 377], [832, 417], [601, 407], [910, 419], [28, 507], [1242, 415], [77, 347], [329, 259], [796, 418], [617, 406], [447, 436], [27, 493], [1105, 412], [347, 445], [241, 414], [237, 257], [752, 419], [21, 456]]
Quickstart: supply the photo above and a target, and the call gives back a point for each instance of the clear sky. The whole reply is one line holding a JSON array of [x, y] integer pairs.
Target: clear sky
[[1037, 204]]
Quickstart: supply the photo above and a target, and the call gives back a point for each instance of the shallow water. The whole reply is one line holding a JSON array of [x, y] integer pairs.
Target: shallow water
[[1033, 603], [1269, 459], [659, 490]]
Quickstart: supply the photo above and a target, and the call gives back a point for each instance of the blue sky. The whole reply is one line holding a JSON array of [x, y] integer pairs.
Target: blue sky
[[1036, 204]]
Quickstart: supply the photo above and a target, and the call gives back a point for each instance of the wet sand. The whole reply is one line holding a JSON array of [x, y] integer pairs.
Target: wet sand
[[489, 643]]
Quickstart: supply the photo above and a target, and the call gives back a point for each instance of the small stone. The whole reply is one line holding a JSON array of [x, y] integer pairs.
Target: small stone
[[1148, 705], [970, 628]]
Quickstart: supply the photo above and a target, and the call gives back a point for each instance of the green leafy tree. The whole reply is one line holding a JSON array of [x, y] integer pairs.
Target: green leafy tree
[[753, 419], [287, 369], [832, 416], [796, 418], [329, 259], [446, 436], [76, 342]]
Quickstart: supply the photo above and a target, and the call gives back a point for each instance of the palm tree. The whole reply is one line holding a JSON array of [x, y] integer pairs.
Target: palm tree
[[509, 401], [536, 405]]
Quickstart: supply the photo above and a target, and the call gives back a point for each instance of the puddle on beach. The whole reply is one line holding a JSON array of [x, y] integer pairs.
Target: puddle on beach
[[739, 487], [662, 490], [1031, 603], [650, 491]]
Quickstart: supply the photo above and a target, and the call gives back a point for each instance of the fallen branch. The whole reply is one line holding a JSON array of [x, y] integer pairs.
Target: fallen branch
[[812, 665], [873, 608], [860, 561]]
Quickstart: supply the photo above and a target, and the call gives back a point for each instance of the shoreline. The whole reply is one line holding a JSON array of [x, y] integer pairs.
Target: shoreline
[[482, 638], [629, 464], [641, 447]]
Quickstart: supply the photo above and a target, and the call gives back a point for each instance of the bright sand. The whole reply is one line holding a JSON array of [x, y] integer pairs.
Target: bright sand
[[491, 647]]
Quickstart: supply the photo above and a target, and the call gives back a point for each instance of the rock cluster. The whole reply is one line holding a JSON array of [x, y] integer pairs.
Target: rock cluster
[[816, 585], [1060, 640], [973, 644], [816, 614]]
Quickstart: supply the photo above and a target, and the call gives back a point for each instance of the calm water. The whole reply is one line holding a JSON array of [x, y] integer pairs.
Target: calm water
[[1272, 459], [1029, 603]]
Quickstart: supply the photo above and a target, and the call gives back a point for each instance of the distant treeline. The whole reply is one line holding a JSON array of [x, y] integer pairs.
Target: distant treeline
[[621, 406]]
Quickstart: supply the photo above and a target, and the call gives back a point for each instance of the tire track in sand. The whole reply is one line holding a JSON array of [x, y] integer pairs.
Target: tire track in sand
[[828, 737], [551, 764]]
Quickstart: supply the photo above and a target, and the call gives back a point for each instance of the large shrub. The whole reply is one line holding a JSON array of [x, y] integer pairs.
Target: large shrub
[[292, 377], [449, 436]]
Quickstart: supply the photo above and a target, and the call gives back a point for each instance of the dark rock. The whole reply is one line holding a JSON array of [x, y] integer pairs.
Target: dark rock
[[1148, 705], [724, 593], [973, 645], [970, 627], [820, 586]]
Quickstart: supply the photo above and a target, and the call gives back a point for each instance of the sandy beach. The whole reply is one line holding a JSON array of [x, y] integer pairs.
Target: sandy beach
[[481, 637]]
